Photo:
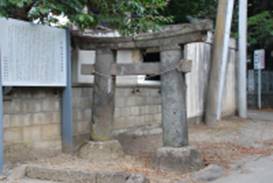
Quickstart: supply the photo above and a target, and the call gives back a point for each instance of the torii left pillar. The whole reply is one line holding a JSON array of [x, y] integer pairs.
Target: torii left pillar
[[104, 93], [102, 146], [176, 154]]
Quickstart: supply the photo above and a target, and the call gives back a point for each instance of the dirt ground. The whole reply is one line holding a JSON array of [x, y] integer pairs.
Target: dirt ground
[[232, 140]]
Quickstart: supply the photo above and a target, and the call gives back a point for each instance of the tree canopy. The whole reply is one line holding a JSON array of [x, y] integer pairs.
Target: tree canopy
[[128, 16], [134, 16], [260, 22]]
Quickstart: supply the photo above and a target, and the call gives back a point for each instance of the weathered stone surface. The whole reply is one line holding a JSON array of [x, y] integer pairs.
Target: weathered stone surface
[[106, 150], [187, 33], [210, 173], [104, 93], [121, 177], [173, 94], [137, 178], [184, 159], [67, 176], [70, 176], [18, 173], [141, 141]]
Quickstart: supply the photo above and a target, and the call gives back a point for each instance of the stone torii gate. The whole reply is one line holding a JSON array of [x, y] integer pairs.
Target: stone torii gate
[[172, 67]]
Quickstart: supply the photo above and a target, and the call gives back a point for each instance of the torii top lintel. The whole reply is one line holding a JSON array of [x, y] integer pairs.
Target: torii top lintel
[[179, 35]]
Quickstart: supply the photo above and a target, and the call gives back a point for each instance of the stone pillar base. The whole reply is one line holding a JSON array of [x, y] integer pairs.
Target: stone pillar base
[[184, 159], [101, 150]]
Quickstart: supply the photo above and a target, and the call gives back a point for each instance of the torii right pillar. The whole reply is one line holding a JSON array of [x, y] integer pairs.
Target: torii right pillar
[[176, 154]]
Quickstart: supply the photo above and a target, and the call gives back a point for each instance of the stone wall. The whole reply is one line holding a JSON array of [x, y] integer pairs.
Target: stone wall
[[32, 119]]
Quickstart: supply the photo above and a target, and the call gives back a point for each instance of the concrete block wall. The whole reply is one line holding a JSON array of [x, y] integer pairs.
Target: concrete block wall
[[82, 113], [32, 120], [137, 106], [31, 116]]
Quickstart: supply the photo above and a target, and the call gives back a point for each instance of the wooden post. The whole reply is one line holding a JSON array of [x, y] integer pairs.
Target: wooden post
[[173, 93], [103, 99], [219, 62]]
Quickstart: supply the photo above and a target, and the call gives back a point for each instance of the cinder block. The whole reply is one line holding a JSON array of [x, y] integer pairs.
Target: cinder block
[[131, 101], [86, 92], [152, 109], [139, 100], [117, 112], [38, 105], [76, 92], [159, 108], [84, 103], [134, 111], [75, 102], [83, 127], [31, 134], [50, 104], [145, 92], [56, 117], [142, 119], [16, 121], [51, 131], [15, 106], [27, 106], [41, 118], [158, 117], [121, 122], [40, 94], [13, 135], [148, 118], [133, 121], [87, 114], [154, 92], [56, 104], [123, 92], [27, 119], [7, 107], [77, 114], [125, 112], [55, 144], [120, 101], [147, 109], [6, 121]]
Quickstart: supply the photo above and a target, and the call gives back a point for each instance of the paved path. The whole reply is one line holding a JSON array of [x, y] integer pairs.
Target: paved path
[[254, 171], [260, 115], [26, 180]]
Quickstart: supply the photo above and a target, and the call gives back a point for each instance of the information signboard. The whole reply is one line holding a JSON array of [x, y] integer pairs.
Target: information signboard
[[32, 55], [259, 59]]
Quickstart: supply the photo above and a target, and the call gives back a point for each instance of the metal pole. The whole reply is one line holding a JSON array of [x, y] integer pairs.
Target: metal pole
[[1, 123], [67, 118], [259, 89], [219, 61], [242, 99]]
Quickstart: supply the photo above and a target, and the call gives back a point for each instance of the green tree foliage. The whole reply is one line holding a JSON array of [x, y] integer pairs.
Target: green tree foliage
[[128, 16], [180, 9], [260, 12]]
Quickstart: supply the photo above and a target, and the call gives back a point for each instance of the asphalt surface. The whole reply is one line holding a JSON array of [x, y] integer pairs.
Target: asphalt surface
[[256, 170]]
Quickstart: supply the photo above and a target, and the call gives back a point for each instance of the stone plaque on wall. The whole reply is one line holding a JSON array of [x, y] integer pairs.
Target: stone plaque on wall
[[32, 55]]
